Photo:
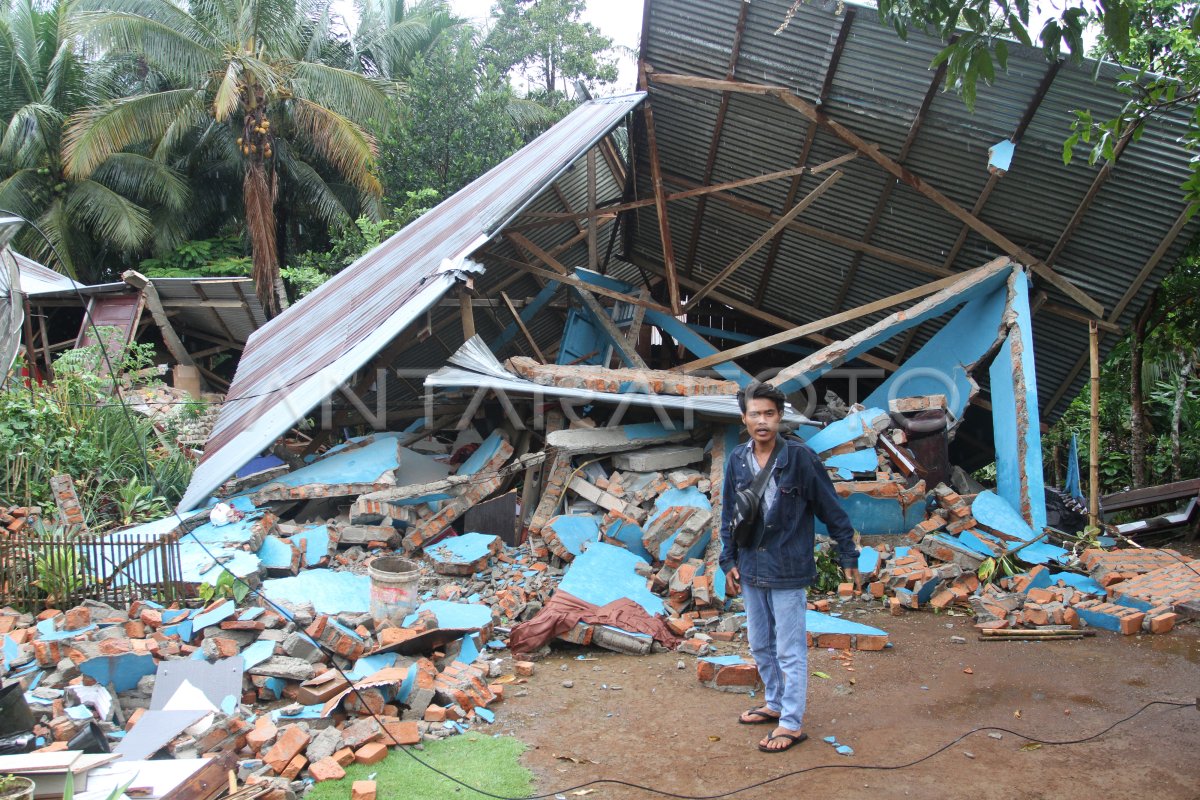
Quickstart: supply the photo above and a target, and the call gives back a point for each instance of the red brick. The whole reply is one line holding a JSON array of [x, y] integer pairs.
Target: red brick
[[738, 675], [870, 642], [838, 641], [1039, 596], [291, 743], [326, 770], [362, 790], [1163, 623], [523, 668], [404, 733], [77, 618], [371, 753]]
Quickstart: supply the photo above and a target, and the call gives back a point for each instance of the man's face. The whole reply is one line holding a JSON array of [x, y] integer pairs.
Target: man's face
[[762, 419]]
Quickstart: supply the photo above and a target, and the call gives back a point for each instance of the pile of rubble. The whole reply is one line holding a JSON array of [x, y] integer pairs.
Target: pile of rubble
[[605, 537]]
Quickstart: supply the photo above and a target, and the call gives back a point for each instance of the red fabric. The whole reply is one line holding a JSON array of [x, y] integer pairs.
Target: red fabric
[[564, 611]]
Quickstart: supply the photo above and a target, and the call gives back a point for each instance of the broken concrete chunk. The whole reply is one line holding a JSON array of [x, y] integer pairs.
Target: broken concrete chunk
[[657, 459]]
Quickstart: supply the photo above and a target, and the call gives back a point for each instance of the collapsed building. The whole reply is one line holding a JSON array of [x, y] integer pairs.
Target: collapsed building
[[530, 392]]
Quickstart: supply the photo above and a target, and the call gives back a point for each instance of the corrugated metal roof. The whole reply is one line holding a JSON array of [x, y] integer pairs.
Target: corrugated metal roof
[[37, 279], [305, 353], [876, 90]]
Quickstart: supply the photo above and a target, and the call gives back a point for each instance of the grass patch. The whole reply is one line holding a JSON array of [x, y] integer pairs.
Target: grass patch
[[486, 762]]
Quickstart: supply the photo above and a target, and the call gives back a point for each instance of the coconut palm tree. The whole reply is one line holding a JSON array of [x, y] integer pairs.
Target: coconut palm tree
[[113, 207], [392, 34], [246, 88]]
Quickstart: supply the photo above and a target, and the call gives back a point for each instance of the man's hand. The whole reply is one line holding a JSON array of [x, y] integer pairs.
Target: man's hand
[[852, 574], [733, 583]]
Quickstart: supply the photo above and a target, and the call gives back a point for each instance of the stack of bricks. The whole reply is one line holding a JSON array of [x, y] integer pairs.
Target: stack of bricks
[[15, 519], [956, 507]]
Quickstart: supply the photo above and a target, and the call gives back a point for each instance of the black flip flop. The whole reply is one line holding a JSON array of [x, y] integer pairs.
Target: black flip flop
[[792, 742], [763, 717]]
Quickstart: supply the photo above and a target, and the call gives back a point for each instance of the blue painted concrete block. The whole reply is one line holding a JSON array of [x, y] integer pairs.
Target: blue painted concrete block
[[604, 573], [329, 591], [123, 671]]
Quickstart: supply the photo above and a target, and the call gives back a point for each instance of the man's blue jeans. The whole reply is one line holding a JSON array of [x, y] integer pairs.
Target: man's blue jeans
[[775, 622]]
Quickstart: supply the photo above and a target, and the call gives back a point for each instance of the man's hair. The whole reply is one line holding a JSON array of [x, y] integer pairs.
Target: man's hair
[[757, 390]]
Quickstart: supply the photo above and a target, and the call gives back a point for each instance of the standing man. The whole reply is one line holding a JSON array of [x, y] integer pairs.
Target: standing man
[[777, 564]]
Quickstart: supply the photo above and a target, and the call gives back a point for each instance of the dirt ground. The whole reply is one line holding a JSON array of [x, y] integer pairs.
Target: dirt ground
[[647, 721]]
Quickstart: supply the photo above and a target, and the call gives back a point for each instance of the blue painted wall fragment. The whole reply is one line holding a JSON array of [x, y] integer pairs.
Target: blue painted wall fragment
[[257, 653], [583, 341], [877, 516], [604, 573], [218, 614], [816, 622], [314, 541], [868, 560], [866, 460], [469, 651], [629, 533], [886, 332], [367, 464], [845, 430], [482, 454], [1017, 436], [939, 367], [465, 549], [275, 553], [526, 314], [123, 671], [329, 591], [466, 616], [725, 661], [1000, 155], [575, 530]]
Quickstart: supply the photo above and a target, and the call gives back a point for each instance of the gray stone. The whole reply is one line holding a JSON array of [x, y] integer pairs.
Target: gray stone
[[286, 667], [418, 700], [657, 459], [324, 744], [298, 645]]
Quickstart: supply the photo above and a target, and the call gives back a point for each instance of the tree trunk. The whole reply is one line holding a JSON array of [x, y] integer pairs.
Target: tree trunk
[[260, 222], [1177, 416], [1137, 410]]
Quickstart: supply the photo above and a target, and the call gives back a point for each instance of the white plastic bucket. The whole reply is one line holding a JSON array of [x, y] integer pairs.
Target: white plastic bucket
[[394, 585]]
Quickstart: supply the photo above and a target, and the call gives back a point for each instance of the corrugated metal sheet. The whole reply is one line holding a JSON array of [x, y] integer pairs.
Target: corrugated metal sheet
[[877, 90], [304, 354], [37, 279]]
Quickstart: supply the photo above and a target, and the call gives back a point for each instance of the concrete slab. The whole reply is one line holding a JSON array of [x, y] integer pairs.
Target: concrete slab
[[573, 531], [372, 463], [849, 463], [816, 622], [460, 616], [122, 671], [615, 439], [468, 552], [216, 681], [848, 429], [653, 459]]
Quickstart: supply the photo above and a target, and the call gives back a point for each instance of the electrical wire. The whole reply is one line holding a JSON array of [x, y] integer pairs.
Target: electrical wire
[[332, 656]]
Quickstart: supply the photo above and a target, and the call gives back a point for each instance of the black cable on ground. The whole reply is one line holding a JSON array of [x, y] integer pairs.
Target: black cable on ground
[[599, 781]]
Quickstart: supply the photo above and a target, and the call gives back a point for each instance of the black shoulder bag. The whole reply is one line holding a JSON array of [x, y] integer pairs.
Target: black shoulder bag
[[747, 501]]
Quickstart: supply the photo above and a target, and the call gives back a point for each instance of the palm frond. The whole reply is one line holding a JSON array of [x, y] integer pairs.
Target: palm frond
[[187, 55], [167, 13], [19, 193], [94, 134], [12, 58], [70, 247], [347, 93], [528, 113], [144, 180], [111, 217], [189, 120], [31, 135], [228, 92], [306, 185], [349, 148], [265, 73]]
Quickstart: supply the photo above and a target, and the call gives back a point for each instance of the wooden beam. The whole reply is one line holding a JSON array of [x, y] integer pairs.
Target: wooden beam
[[170, 338], [593, 253], [660, 202], [1072, 314], [183, 302], [1086, 203], [1152, 262], [208, 337], [571, 280], [762, 212], [800, 331], [599, 315], [714, 141], [765, 316], [810, 136], [537, 252], [758, 243], [521, 326], [872, 151], [467, 312]]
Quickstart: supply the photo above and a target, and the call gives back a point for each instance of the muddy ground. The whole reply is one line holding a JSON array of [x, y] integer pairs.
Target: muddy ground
[[647, 721]]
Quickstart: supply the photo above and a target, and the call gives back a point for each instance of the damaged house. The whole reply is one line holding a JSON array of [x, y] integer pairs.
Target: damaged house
[[530, 390]]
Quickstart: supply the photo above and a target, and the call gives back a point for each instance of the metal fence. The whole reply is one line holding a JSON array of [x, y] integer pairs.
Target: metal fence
[[60, 570]]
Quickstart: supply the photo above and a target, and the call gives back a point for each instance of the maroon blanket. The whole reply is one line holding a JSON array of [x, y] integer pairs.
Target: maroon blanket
[[563, 611]]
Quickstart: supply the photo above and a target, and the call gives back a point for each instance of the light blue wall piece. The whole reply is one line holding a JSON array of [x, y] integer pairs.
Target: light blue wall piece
[[275, 553], [369, 665], [868, 560], [816, 622], [57, 636], [406, 686], [487, 715], [257, 653], [1081, 582], [971, 539], [575, 530], [314, 541], [992, 511], [465, 616], [604, 573], [691, 496], [1018, 438], [182, 629], [295, 714], [11, 650], [487, 448], [218, 614], [329, 591], [849, 463], [725, 661], [469, 650], [877, 516], [630, 534], [583, 342], [464, 549], [1000, 155], [123, 671], [980, 289], [939, 367], [845, 430], [365, 464]]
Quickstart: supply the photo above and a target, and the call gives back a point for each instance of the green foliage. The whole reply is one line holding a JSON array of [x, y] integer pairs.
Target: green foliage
[[829, 574], [546, 41], [73, 426], [226, 587], [314, 267], [993, 569], [59, 572], [462, 119], [219, 257]]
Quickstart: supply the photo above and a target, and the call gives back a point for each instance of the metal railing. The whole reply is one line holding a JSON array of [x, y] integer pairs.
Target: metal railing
[[53, 569]]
